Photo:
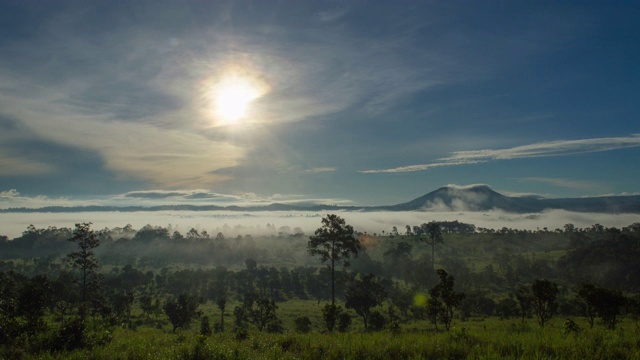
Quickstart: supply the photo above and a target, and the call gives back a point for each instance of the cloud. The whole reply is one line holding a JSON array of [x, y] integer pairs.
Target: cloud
[[9, 194], [154, 194], [320, 170], [135, 97], [17, 165], [421, 167], [166, 157], [331, 15], [565, 183], [12, 198], [544, 149]]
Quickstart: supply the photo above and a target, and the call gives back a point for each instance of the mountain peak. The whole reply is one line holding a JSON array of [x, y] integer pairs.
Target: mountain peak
[[476, 188], [477, 197], [482, 198]]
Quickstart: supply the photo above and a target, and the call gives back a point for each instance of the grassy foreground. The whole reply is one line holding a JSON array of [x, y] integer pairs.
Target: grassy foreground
[[495, 342]]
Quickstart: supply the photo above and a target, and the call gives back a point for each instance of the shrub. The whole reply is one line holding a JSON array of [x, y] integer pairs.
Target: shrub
[[275, 327], [344, 321], [242, 333], [376, 320], [205, 327], [71, 336], [303, 324], [330, 314]]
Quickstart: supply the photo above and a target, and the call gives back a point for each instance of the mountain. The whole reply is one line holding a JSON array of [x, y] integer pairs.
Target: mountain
[[483, 198], [448, 198]]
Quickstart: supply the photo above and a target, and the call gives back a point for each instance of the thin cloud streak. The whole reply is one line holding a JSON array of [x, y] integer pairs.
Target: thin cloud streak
[[565, 183], [544, 149], [318, 170]]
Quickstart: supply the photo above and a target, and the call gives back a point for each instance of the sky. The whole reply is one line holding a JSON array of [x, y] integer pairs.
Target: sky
[[335, 102]]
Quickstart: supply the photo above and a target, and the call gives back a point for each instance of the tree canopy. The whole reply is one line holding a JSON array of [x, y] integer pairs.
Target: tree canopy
[[334, 241]]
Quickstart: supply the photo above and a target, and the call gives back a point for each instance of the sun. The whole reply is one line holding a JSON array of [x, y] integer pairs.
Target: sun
[[232, 97]]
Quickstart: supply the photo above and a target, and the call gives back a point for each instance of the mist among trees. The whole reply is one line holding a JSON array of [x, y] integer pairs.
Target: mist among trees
[[62, 287]]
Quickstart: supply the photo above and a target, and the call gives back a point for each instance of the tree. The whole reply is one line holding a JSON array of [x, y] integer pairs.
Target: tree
[[146, 304], [84, 259], [523, 295], [181, 311], [434, 309], [605, 303], [431, 234], [634, 309], [544, 294], [448, 299], [32, 302], [364, 294], [259, 310], [122, 302], [334, 241], [222, 304], [586, 293], [506, 308]]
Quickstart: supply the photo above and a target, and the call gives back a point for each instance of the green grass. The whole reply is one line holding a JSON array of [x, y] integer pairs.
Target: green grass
[[478, 339]]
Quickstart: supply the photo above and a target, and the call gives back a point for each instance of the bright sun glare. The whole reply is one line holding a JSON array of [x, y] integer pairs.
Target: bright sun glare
[[228, 96], [232, 98]]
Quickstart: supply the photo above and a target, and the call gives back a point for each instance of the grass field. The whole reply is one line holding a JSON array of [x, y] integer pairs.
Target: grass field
[[500, 340], [477, 338]]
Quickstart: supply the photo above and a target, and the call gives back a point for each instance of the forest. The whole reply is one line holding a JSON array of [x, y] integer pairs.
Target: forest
[[431, 290]]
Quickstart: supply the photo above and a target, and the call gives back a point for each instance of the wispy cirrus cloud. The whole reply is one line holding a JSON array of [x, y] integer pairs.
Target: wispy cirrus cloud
[[566, 183], [543, 149], [318, 170]]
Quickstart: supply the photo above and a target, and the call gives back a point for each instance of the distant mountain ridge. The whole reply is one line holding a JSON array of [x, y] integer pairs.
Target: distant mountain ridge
[[447, 198]]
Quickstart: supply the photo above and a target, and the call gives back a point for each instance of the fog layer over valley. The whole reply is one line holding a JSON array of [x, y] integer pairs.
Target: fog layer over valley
[[255, 223]]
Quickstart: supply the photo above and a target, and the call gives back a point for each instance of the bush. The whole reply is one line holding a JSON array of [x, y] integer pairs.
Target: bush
[[217, 327], [376, 320], [71, 336], [570, 327], [344, 321], [242, 333], [275, 327], [205, 327], [330, 314], [303, 324]]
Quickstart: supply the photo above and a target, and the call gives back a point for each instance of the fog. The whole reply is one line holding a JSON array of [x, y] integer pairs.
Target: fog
[[261, 223]]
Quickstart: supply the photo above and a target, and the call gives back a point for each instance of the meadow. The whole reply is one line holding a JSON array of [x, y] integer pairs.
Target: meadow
[[488, 338]]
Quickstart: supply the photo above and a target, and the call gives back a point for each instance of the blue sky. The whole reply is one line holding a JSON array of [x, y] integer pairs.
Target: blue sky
[[353, 102]]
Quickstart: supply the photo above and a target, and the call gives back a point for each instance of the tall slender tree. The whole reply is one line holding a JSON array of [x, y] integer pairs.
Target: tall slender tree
[[334, 241], [431, 234], [84, 259], [544, 294]]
